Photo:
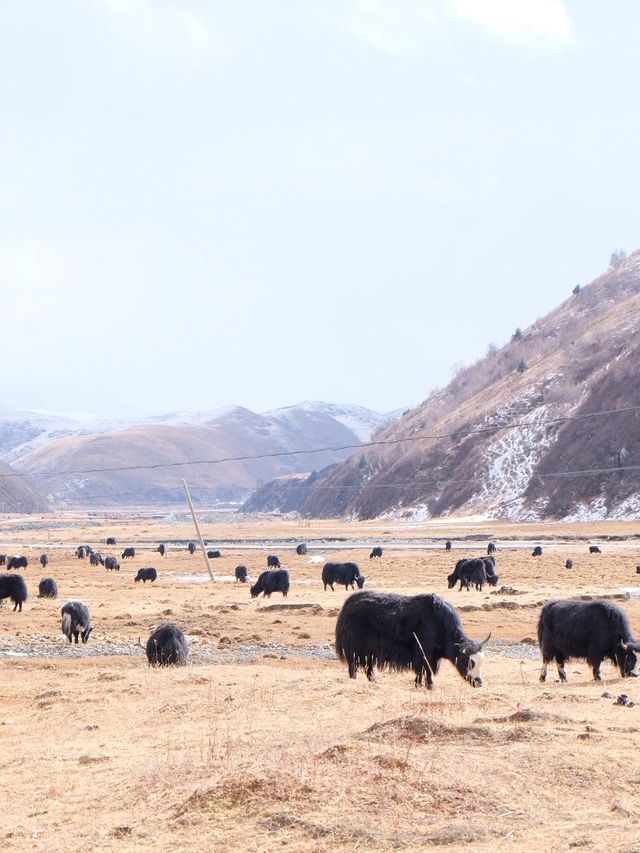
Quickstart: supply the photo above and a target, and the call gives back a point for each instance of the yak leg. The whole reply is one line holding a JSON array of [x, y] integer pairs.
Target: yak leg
[[369, 667], [543, 671], [353, 667], [560, 661], [595, 666]]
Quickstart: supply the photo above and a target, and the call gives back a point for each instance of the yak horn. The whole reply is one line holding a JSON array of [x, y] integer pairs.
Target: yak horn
[[140, 644], [485, 641], [624, 645]]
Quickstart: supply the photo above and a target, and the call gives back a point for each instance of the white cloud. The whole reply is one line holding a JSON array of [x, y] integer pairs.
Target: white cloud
[[394, 27], [165, 27], [404, 28], [547, 19]]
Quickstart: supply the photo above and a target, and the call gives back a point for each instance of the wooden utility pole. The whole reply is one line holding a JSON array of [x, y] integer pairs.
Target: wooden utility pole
[[197, 526]]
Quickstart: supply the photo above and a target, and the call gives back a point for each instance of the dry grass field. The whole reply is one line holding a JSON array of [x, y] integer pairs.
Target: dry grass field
[[264, 743]]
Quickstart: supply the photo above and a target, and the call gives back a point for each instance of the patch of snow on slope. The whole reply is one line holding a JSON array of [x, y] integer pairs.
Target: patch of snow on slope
[[511, 459], [595, 511]]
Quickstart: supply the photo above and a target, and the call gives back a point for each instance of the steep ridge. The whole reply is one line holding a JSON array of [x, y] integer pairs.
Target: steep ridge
[[183, 438], [451, 455]]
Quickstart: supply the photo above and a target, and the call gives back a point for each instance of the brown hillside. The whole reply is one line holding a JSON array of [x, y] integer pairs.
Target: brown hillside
[[580, 358]]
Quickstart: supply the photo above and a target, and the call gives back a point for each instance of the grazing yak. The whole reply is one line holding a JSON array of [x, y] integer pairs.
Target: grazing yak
[[3, 558], [269, 582], [167, 646], [593, 549], [144, 575], [75, 619], [128, 553], [162, 549], [469, 572], [191, 547], [301, 549], [96, 559], [402, 632], [491, 548], [17, 563], [47, 588], [111, 540], [593, 630], [214, 555], [273, 562], [111, 564], [447, 545], [241, 574], [537, 551], [81, 552], [376, 552], [13, 587], [342, 573], [44, 560], [569, 564]]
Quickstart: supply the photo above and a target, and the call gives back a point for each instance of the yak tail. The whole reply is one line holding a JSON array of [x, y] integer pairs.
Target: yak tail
[[66, 624]]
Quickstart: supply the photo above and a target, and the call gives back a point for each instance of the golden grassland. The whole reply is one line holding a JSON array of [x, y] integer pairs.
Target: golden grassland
[[264, 743]]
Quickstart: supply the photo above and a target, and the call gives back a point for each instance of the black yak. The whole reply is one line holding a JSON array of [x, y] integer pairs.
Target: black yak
[[405, 632], [167, 646], [144, 575], [269, 582], [569, 564], [81, 552], [273, 562], [96, 559], [241, 574], [162, 549], [593, 549], [537, 551], [376, 552], [3, 557], [111, 564], [191, 547], [342, 573], [128, 553], [111, 540], [593, 630], [17, 563], [76, 618], [214, 555], [470, 572], [447, 545], [44, 560], [491, 548], [13, 587], [301, 550], [47, 588]]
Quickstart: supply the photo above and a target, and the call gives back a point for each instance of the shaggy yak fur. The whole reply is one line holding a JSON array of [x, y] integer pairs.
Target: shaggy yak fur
[[269, 582], [398, 632], [167, 646], [47, 588], [76, 618], [13, 587], [241, 574], [593, 630]]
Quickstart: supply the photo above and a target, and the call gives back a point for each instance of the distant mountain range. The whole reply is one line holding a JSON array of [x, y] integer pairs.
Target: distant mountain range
[[50, 445], [455, 453]]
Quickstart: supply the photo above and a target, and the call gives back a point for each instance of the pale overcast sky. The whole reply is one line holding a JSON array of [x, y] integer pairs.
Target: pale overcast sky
[[259, 202]]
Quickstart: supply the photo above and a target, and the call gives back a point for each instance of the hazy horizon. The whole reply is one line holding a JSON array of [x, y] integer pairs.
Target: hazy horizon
[[208, 204]]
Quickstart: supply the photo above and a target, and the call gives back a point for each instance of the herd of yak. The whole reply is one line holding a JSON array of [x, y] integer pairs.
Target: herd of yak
[[382, 629]]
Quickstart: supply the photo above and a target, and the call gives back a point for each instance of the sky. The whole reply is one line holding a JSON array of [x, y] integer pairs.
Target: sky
[[244, 202]]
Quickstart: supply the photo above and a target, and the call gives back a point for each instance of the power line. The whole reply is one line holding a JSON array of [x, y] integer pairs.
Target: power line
[[457, 434]]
